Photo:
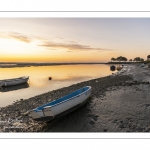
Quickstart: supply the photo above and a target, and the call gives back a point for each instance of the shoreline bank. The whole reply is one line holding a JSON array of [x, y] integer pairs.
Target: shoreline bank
[[112, 100], [15, 64]]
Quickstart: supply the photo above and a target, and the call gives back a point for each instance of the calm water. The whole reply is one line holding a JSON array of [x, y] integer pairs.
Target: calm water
[[62, 76]]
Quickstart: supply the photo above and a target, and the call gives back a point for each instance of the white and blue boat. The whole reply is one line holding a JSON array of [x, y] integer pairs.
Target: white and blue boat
[[14, 81], [61, 106]]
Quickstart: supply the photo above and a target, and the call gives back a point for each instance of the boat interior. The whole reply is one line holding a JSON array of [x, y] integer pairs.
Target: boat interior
[[63, 99]]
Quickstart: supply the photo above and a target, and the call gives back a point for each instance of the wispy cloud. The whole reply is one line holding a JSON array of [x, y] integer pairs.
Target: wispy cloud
[[3, 35], [69, 46], [72, 47], [20, 37], [15, 35]]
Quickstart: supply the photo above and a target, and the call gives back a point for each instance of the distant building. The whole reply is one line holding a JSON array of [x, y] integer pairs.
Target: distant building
[[148, 57]]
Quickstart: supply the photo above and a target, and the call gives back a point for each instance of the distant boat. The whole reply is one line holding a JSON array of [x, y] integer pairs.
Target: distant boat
[[15, 81], [112, 68], [119, 67], [142, 65], [61, 106], [50, 78]]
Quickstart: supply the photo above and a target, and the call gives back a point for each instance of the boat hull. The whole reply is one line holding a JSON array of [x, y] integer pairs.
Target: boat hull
[[12, 82], [49, 118], [57, 110]]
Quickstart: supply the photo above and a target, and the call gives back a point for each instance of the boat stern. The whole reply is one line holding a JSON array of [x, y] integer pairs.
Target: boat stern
[[43, 115], [36, 114], [47, 111]]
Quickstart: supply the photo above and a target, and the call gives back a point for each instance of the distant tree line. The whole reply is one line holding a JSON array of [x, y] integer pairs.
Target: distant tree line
[[121, 58], [138, 59]]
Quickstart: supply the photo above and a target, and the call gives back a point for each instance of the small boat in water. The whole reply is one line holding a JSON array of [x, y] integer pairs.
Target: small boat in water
[[50, 78], [142, 65], [61, 106], [119, 68], [15, 81], [112, 68]]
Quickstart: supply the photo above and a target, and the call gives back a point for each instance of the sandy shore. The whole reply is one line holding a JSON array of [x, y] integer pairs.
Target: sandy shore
[[119, 103]]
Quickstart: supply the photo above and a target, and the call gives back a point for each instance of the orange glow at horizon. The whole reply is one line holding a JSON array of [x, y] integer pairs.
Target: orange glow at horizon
[[30, 52], [13, 50], [53, 59], [57, 57], [73, 39], [18, 51]]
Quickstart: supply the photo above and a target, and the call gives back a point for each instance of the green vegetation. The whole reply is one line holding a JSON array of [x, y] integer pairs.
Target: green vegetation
[[124, 59], [130, 60], [120, 59], [138, 59]]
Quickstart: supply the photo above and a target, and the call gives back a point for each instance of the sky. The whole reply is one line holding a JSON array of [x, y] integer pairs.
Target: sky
[[73, 39]]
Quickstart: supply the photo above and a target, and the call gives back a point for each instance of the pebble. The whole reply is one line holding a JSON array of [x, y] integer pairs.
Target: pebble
[[105, 130], [91, 122]]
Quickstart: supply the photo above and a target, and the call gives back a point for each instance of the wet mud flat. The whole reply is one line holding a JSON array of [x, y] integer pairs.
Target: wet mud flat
[[118, 103]]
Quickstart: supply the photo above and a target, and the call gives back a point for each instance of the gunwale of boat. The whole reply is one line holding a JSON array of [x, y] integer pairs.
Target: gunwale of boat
[[50, 106], [9, 80], [68, 99]]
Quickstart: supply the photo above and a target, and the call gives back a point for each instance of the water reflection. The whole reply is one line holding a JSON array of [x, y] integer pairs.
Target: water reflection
[[73, 78], [15, 87], [62, 76]]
